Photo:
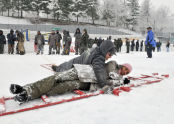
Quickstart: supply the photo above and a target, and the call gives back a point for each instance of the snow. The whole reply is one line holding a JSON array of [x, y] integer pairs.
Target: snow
[[150, 104], [10, 20]]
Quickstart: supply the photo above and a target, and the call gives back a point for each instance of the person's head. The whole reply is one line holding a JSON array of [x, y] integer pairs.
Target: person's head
[[67, 32], [17, 32], [52, 32], [110, 38], [107, 49], [38, 32], [64, 32], [77, 30], [11, 31], [1, 32], [110, 53], [125, 69], [84, 31], [57, 31], [149, 28]]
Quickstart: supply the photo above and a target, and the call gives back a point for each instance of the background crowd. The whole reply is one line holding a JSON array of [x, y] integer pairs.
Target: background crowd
[[62, 43]]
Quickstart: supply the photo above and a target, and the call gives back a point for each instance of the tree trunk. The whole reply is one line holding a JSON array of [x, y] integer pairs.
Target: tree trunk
[[8, 12], [21, 14], [77, 19], [2, 11]]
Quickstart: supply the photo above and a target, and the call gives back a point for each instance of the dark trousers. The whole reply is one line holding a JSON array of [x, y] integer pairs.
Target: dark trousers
[[149, 51], [127, 49], [1, 48]]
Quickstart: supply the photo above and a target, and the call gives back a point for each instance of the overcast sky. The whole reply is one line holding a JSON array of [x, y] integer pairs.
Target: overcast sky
[[168, 3]]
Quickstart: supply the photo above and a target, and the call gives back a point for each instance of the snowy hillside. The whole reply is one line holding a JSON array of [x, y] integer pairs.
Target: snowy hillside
[[10, 20], [150, 104]]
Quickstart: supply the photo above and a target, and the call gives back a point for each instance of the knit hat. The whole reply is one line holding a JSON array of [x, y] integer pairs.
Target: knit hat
[[128, 66]]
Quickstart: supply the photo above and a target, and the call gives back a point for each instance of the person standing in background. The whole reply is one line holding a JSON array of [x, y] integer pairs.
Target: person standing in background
[[58, 43], [84, 41], [167, 46], [40, 42], [52, 42], [127, 45], [11, 37], [78, 37], [150, 43], [20, 46], [2, 42]]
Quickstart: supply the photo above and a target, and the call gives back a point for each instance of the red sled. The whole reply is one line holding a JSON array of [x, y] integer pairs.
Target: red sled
[[45, 103]]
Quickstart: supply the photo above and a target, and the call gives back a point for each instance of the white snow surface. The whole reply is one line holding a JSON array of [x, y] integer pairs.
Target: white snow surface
[[149, 104], [10, 20]]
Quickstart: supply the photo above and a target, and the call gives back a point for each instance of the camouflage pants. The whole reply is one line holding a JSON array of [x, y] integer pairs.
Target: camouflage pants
[[60, 83]]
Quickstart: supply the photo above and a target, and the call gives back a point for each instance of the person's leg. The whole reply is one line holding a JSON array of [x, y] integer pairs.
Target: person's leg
[[1, 48], [39, 88], [64, 87], [68, 86], [12, 48], [76, 48], [50, 49], [68, 75], [9, 48], [149, 51], [58, 48]]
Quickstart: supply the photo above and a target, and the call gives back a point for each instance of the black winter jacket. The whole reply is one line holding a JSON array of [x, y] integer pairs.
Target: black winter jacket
[[2, 39]]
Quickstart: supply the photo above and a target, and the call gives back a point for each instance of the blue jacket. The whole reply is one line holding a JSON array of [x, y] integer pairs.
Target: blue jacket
[[150, 38], [11, 38]]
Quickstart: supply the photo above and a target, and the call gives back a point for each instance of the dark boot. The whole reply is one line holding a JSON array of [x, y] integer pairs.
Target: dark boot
[[15, 89], [21, 97]]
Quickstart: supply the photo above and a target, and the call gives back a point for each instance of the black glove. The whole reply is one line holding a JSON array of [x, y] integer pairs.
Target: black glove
[[126, 81], [35, 43]]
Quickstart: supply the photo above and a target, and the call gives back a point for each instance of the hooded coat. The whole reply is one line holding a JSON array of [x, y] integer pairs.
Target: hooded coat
[[150, 39], [94, 57]]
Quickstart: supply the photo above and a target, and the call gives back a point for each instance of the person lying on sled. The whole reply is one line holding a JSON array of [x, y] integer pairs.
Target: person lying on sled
[[80, 77], [95, 57]]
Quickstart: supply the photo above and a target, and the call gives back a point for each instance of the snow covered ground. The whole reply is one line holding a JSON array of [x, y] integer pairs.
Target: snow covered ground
[[150, 104]]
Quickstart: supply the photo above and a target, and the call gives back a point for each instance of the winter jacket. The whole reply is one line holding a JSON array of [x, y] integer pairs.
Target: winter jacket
[[39, 40], [20, 37], [84, 40], [94, 57], [78, 37], [11, 38], [150, 39], [2, 39], [52, 39], [168, 45], [59, 37], [67, 39], [127, 43]]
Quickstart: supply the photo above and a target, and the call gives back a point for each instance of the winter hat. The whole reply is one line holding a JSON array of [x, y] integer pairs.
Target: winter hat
[[128, 66]]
